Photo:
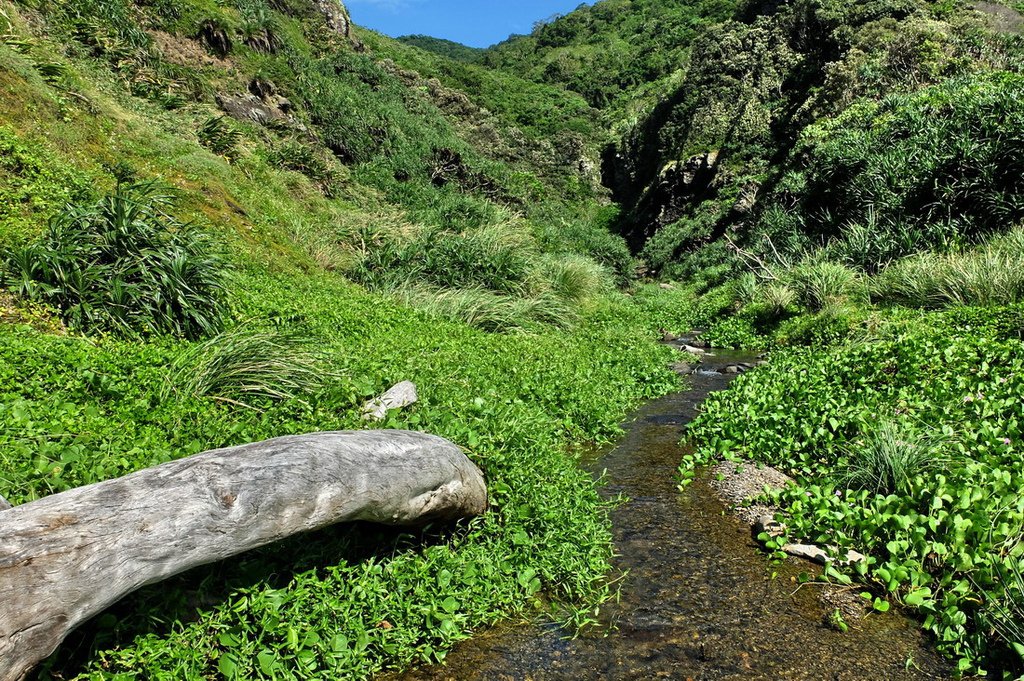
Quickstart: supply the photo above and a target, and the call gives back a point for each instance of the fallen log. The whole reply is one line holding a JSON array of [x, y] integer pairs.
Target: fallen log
[[67, 557]]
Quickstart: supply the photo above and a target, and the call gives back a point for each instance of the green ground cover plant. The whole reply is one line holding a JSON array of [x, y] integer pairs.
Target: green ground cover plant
[[930, 495], [77, 410]]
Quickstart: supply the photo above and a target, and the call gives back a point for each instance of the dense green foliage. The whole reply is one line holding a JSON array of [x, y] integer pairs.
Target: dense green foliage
[[610, 48], [76, 411], [888, 127], [466, 193], [803, 166], [930, 491]]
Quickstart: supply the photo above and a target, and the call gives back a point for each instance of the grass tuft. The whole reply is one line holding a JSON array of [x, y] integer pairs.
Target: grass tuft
[[243, 364]]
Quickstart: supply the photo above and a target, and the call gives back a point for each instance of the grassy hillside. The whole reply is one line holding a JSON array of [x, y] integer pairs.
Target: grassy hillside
[[445, 48], [224, 222]]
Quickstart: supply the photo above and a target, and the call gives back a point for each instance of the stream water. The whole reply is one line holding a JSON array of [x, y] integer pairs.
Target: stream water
[[699, 600]]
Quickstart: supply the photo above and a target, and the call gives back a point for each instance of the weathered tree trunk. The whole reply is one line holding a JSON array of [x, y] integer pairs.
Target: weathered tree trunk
[[68, 556]]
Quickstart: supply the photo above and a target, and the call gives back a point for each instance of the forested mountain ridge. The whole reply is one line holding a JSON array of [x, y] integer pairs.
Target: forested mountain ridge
[[751, 100]]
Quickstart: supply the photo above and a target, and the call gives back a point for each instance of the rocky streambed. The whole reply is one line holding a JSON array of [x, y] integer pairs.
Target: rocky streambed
[[699, 599]]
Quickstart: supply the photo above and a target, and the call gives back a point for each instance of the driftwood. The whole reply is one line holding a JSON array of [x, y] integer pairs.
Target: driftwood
[[66, 557], [397, 397]]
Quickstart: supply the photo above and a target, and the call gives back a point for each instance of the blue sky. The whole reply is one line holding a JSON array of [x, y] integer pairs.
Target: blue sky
[[479, 23]]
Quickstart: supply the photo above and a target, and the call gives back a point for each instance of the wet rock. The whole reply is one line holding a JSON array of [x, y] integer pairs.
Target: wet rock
[[682, 368], [767, 524], [668, 337], [816, 554], [694, 350], [736, 484], [398, 396], [734, 369]]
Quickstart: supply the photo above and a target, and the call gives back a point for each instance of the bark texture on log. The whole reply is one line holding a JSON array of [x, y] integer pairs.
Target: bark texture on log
[[66, 557]]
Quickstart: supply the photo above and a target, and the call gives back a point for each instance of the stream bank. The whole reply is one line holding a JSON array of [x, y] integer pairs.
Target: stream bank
[[699, 600]]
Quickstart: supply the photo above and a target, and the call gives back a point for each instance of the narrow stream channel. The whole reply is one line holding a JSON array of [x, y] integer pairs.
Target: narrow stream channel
[[699, 601]]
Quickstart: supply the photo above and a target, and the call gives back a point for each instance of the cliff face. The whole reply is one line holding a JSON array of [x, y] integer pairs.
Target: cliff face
[[337, 17]]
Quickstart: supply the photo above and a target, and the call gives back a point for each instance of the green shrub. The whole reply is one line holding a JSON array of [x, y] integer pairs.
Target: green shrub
[[936, 166], [573, 278], [123, 265], [490, 311], [939, 504], [220, 136], [302, 157], [497, 258], [777, 297], [733, 332]]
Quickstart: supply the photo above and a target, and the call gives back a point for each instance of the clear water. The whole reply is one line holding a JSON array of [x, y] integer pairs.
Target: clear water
[[699, 600]]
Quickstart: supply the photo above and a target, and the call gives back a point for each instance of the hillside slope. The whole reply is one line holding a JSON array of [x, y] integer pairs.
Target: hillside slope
[[224, 222]]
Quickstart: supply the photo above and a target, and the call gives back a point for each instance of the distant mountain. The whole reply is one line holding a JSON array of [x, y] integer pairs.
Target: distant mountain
[[444, 48]]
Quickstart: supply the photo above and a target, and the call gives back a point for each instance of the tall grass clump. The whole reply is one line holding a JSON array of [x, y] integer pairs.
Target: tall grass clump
[[823, 284], [574, 278], [243, 364], [888, 459], [122, 264], [990, 275], [1005, 615], [777, 298], [497, 257], [489, 311]]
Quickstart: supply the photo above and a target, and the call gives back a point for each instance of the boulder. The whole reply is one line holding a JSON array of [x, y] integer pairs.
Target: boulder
[[682, 368], [4, 504], [767, 524], [338, 20]]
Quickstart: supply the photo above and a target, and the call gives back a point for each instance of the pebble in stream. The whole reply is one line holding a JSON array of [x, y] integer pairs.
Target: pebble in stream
[[699, 601]]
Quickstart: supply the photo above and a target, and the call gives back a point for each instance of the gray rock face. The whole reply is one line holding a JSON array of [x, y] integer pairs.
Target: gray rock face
[[249, 107], [337, 16], [4, 504], [767, 524], [339, 20], [682, 368]]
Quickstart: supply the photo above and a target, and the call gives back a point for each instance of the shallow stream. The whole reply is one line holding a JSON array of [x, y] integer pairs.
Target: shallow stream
[[699, 600]]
